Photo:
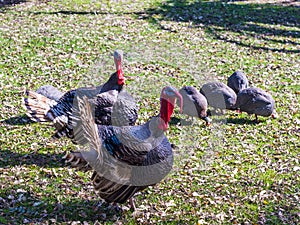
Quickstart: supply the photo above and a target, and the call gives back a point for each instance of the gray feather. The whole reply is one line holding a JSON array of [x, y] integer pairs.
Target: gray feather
[[50, 92], [255, 101], [238, 81], [219, 95], [194, 103]]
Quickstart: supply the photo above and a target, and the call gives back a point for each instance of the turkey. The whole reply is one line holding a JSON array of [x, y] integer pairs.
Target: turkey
[[126, 159], [256, 101], [109, 108], [50, 92], [237, 81], [194, 103], [42, 109], [219, 95]]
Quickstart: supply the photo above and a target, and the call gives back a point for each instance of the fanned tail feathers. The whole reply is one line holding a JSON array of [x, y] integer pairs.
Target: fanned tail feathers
[[89, 128], [76, 160], [37, 106]]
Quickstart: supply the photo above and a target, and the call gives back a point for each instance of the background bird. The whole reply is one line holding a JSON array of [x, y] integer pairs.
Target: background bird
[[256, 101], [194, 103], [42, 109], [237, 81], [219, 95]]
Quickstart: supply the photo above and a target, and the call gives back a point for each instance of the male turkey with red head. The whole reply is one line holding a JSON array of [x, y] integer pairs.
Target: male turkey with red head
[[42, 109], [126, 159]]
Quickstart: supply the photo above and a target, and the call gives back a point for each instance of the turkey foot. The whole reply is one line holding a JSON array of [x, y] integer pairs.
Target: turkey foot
[[132, 204]]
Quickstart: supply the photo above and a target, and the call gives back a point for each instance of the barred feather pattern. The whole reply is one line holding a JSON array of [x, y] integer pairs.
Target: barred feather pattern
[[77, 161], [114, 107], [89, 128], [126, 159], [127, 171], [113, 192], [61, 113], [37, 106], [108, 108]]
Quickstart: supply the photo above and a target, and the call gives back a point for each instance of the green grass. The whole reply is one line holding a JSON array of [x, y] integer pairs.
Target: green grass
[[234, 172]]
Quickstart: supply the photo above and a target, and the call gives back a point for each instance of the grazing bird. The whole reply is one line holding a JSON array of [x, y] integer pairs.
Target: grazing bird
[[256, 101], [237, 81], [50, 92], [194, 103], [42, 109], [219, 95], [126, 159]]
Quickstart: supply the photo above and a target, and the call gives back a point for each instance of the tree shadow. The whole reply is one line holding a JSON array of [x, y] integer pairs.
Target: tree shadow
[[10, 159], [265, 22], [258, 26], [93, 13], [39, 210]]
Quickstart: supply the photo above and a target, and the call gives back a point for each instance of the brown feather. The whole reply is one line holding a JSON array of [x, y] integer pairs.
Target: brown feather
[[37, 106]]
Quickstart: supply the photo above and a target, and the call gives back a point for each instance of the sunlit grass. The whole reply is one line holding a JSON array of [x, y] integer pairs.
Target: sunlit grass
[[234, 172]]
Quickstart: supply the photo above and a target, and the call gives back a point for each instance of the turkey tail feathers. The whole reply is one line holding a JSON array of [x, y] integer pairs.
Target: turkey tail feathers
[[77, 160], [37, 106], [90, 130]]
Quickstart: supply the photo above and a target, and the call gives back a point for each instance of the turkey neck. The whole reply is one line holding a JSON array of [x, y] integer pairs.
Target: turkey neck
[[113, 83], [166, 110]]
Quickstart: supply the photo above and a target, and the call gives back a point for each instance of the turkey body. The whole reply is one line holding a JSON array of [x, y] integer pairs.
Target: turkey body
[[137, 168], [237, 81], [50, 92], [219, 95], [255, 101], [126, 159], [103, 98], [194, 103]]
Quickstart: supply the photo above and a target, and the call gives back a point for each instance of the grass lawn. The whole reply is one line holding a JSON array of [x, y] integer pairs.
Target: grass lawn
[[233, 172]]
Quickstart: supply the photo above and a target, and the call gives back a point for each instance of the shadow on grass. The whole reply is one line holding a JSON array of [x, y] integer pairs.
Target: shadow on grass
[[174, 120], [264, 22], [17, 120], [10, 159], [237, 120], [271, 25], [95, 13], [78, 210], [183, 122]]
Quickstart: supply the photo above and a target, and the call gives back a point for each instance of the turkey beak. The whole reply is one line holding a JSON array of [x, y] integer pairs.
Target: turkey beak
[[208, 121], [178, 95], [274, 115]]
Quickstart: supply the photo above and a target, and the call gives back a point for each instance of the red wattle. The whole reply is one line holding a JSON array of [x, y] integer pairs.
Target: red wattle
[[121, 78], [166, 110]]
